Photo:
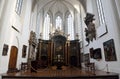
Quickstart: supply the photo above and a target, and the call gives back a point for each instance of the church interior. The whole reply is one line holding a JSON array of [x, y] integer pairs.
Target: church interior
[[59, 39]]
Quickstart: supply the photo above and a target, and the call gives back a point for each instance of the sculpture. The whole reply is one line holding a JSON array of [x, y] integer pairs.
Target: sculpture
[[77, 36], [90, 31], [40, 35], [33, 38], [58, 31]]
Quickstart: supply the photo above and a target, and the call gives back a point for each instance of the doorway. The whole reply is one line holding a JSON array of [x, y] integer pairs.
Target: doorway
[[13, 59]]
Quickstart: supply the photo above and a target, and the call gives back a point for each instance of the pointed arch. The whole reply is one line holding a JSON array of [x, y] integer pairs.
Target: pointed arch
[[46, 28], [59, 20], [70, 26], [66, 25], [51, 20]]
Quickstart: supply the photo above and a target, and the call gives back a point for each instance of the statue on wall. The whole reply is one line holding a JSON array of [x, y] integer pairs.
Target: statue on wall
[[50, 35], [32, 38], [41, 35], [32, 46], [58, 31], [90, 31], [77, 36]]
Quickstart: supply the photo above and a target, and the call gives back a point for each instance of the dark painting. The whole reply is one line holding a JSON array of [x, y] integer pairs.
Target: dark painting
[[59, 48], [109, 50], [5, 50], [81, 57], [86, 58], [24, 49], [97, 53], [73, 49], [44, 49], [91, 52]]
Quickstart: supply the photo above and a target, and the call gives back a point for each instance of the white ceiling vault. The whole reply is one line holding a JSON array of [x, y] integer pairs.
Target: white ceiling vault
[[60, 6], [83, 2]]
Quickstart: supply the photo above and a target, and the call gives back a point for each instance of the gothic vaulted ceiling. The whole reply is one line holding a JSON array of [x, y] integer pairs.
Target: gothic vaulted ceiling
[[60, 5]]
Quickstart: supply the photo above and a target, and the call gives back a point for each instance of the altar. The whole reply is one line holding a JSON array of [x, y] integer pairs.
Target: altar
[[58, 51]]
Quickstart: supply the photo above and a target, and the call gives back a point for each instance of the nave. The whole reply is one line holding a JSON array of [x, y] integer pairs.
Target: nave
[[58, 34]]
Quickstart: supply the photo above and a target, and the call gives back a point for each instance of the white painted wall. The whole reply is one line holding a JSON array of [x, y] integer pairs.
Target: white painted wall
[[1, 6], [11, 37], [89, 6], [113, 33], [23, 39], [6, 33], [118, 6], [34, 19]]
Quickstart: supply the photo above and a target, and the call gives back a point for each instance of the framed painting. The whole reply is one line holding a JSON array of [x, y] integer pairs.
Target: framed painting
[[91, 52], [24, 49], [81, 57], [44, 48], [97, 53], [5, 50], [87, 58], [109, 50]]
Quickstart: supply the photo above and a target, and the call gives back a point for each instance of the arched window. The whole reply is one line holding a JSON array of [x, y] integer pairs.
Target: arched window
[[100, 12], [58, 22], [70, 26], [18, 6], [46, 29]]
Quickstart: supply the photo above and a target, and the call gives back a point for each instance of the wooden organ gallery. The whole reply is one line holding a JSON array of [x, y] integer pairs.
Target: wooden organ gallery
[[58, 51]]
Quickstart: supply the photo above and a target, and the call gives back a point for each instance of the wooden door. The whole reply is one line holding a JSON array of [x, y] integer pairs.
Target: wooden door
[[13, 57]]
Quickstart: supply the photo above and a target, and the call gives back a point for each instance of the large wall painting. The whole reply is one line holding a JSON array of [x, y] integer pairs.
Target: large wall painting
[[109, 50]]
